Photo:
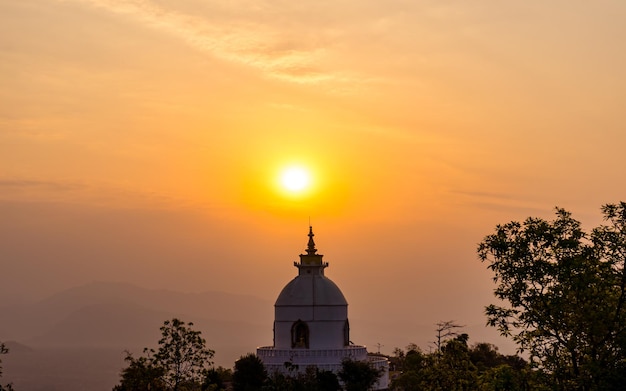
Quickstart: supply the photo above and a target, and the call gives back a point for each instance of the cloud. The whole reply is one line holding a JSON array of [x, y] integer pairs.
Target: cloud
[[26, 184], [287, 56], [35, 190], [102, 194], [498, 201]]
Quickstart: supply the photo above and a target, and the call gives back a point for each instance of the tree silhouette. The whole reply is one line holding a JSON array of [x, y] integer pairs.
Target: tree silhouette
[[141, 374], [4, 350], [445, 330], [358, 375], [249, 374], [182, 354], [564, 296], [181, 363]]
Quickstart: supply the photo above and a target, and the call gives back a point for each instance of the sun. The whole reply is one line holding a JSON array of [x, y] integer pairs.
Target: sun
[[295, 179]]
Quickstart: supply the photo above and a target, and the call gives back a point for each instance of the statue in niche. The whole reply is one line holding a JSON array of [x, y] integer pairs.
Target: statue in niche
[[300, 335]]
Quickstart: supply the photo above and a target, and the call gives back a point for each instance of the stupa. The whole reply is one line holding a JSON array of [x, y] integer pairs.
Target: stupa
[[311, 325]]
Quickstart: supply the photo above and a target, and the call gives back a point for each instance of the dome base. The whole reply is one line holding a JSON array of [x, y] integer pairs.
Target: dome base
[[292, 362]]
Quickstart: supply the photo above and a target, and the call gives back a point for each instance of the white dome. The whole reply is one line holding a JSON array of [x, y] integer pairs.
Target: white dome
[[306, 290]]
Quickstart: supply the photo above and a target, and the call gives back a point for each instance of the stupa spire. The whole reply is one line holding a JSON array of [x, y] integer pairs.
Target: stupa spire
[[311, 262], [311, 245]]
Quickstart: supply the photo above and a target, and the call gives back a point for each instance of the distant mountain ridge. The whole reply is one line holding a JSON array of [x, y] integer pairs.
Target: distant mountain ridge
[[112, 315], [75, 339]]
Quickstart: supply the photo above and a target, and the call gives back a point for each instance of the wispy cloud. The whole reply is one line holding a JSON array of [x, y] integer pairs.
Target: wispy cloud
[[28, 190], [509, 202], [102, 194], [255, 44], [28, 183]]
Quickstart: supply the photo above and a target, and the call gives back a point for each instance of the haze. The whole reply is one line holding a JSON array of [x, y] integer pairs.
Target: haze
[[140, 142]]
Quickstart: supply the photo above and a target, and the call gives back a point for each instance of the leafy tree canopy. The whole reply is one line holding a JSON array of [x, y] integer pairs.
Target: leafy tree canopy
[[141, 374], [358, 375], [562, 295], [458, 366], [249, 374], [182, 354], [181, 362], [311, 380]]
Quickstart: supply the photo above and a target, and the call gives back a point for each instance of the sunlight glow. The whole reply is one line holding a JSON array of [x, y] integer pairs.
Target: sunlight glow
[[295, 179]]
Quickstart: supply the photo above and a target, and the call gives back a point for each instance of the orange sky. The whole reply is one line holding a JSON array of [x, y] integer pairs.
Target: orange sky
[[140, 141]]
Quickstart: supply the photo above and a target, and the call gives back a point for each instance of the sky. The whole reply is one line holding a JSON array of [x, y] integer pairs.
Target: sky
[[141, 141]]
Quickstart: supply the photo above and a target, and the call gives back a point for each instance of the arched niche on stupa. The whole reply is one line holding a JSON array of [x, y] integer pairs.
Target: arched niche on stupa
[[300, 335]]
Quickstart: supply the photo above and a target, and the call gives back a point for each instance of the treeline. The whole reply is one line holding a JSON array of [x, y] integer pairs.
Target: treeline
[[457, 366], [562, 299], [182, 362]]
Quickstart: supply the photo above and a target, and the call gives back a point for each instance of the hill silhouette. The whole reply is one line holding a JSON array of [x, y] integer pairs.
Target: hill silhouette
[[99, 320]]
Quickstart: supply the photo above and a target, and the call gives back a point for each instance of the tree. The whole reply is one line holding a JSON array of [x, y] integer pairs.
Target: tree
[[182, 354], [449, 369], [499, 372], [412, 367], [445, 330], [311, 380], [485, 355], [327, 381], [216, 379], [181, 363], [502, 377], [4, 350], [454, 370], [413, 360], [562, 296], [358, 375], [458, 367], [142, 374], [249, 374]]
